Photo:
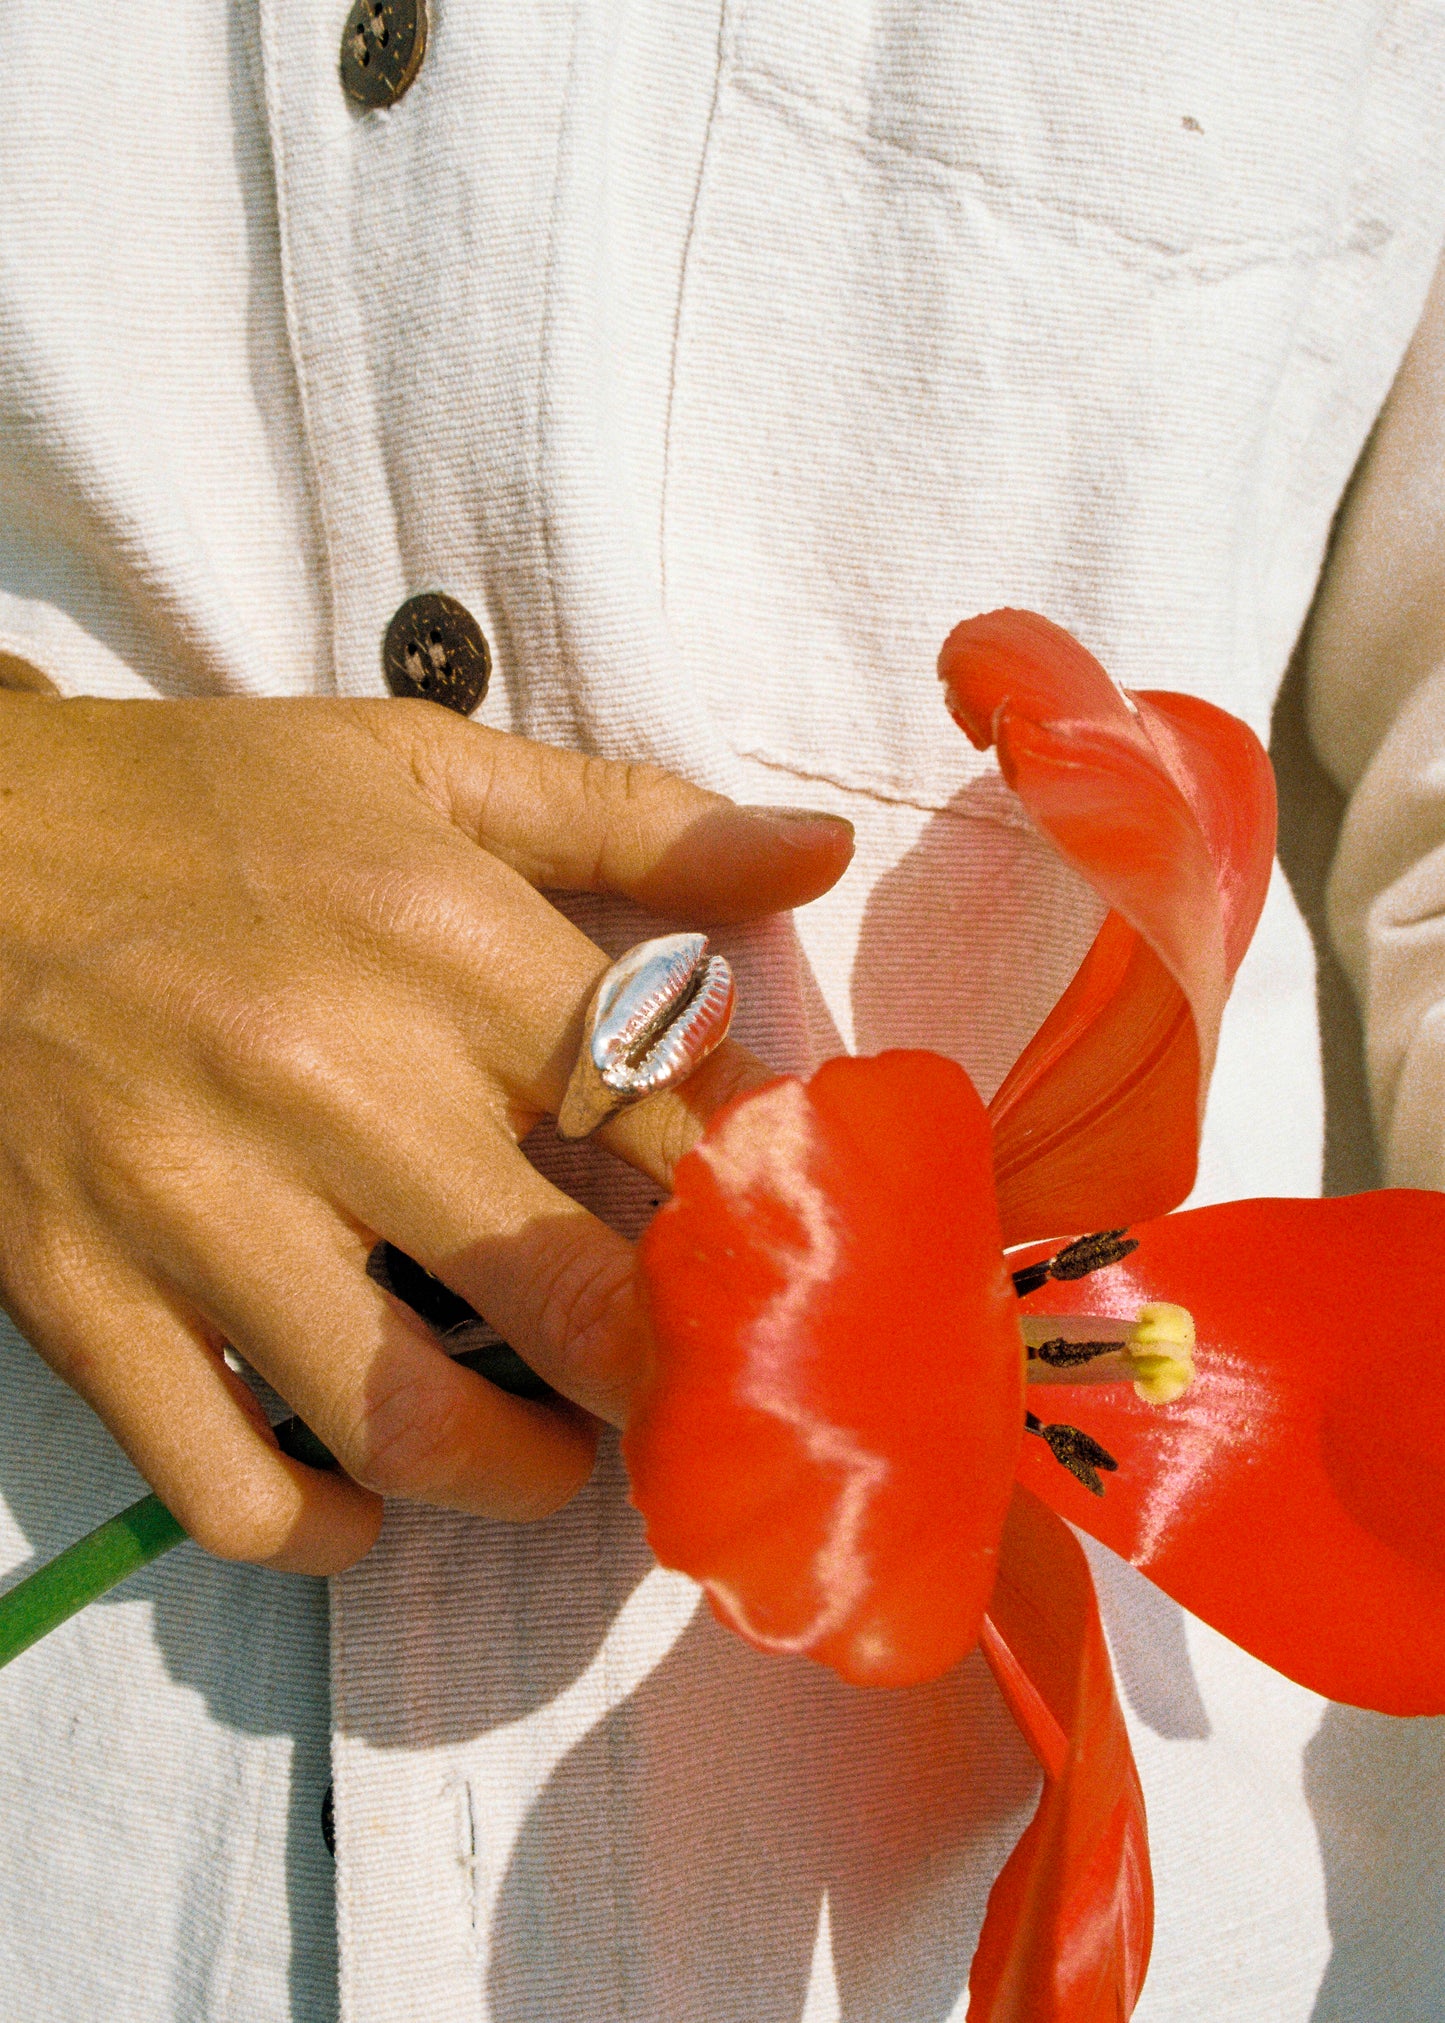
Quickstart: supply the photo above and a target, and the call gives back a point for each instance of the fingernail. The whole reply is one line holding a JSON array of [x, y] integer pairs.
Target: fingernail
[[795, 822]]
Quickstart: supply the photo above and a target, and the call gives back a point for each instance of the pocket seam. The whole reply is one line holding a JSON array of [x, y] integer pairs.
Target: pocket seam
[[1006, 815], [1200, 260]]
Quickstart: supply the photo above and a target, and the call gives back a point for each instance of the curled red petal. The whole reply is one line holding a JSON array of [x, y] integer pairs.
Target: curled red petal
[[1223, 772], [1067, 1932], [828, 1433], [1295, 1496], [1094, 1124], [1166, 806]]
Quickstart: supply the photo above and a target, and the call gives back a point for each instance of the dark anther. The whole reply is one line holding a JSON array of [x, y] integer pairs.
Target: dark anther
[[1076, 1259], [1062, 1355], [1092, 1253], [1082, 1456]]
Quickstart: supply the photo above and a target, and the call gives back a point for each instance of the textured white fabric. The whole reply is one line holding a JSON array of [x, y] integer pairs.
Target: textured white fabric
[[719, 354], [162, 1761]]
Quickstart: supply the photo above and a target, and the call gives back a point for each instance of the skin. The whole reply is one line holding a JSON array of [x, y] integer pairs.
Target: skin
[[277, 979]]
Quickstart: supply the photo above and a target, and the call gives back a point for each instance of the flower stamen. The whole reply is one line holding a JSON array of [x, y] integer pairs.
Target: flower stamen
[[1078, 1259], [1074, 1450]]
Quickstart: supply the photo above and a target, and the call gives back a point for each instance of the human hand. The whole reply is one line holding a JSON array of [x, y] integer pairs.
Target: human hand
[[277, 981]]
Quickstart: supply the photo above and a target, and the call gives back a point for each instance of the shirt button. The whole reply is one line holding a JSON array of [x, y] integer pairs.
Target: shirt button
[[382, 46], [436, 650]]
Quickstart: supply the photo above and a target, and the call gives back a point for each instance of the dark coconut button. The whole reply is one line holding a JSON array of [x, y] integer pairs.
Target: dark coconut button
[[436, 650], [382, 46]]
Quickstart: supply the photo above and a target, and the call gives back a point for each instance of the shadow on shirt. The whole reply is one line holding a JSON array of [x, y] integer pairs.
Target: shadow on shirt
[[730, 1796], [1375, 1786]]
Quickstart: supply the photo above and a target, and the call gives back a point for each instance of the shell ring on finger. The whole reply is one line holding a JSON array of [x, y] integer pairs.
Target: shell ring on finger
[[656, 1015]]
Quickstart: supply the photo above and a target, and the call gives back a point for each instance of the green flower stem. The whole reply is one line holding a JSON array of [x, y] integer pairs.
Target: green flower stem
[[84, 1571], [104, 1557]]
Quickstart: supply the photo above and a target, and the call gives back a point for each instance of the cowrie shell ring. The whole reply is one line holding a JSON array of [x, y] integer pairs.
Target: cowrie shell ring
[[656, 1015]]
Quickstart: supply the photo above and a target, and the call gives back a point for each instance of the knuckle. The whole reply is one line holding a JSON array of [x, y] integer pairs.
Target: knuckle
[[612, 782], [223, 1027], [628, 809], [603, 813], [403, 900], [413, 1439], [253, 1524], [583, 1299], [642, 782], [272, 1038], [137, 1156], [288, 1054]]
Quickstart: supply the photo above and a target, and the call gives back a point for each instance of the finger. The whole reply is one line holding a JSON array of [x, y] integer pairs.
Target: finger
[[518, 977], [551, 1278], [533, 1047], [654, 1134], [155, 1375], [570, 823], [367, 1376]]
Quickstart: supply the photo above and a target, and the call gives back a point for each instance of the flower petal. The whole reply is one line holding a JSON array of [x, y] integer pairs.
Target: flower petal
[[1166, 806], [828, 1434], [1095, 1123], [1223, 772], [1067, 1932], [1295, 1496]]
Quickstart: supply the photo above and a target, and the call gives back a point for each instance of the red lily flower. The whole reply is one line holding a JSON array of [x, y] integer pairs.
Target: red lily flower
[[820, 1229], [833, 1423]]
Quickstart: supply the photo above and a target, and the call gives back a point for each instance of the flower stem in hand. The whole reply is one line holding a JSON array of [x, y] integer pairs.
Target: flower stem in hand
[[83, 1572]]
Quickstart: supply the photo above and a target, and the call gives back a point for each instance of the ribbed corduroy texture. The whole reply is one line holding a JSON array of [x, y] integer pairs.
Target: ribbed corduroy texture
[[719, 357]]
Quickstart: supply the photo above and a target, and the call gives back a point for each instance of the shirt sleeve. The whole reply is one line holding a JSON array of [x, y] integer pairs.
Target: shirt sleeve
[[1375, 674]]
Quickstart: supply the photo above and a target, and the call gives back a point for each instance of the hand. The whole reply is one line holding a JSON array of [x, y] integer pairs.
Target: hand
[[276, 981]]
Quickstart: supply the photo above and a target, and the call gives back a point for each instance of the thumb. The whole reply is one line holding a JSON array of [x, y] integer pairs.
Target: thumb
[[576, 824]]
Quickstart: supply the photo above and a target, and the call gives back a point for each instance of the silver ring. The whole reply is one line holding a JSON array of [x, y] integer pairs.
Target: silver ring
[[656, 1015]]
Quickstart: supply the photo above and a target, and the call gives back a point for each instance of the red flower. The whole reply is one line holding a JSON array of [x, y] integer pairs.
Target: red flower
[[832, 1428], [1295, 1497]]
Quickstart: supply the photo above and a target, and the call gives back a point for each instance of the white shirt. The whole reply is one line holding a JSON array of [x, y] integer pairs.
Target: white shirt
[[718, 357]]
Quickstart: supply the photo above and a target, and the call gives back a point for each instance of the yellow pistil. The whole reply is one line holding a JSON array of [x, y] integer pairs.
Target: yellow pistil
[[1160, 1352], [1154, 1351]]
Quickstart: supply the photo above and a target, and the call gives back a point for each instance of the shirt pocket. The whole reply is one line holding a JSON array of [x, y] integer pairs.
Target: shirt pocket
[[973, 295]]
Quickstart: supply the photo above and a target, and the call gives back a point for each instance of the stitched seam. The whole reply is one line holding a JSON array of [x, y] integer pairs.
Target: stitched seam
[[551, 566], [1004, 815], [340, 1709], [1217, 257], [725, 36], [270, 68], [1258, 566], [1364, 154], [241, 1899]]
